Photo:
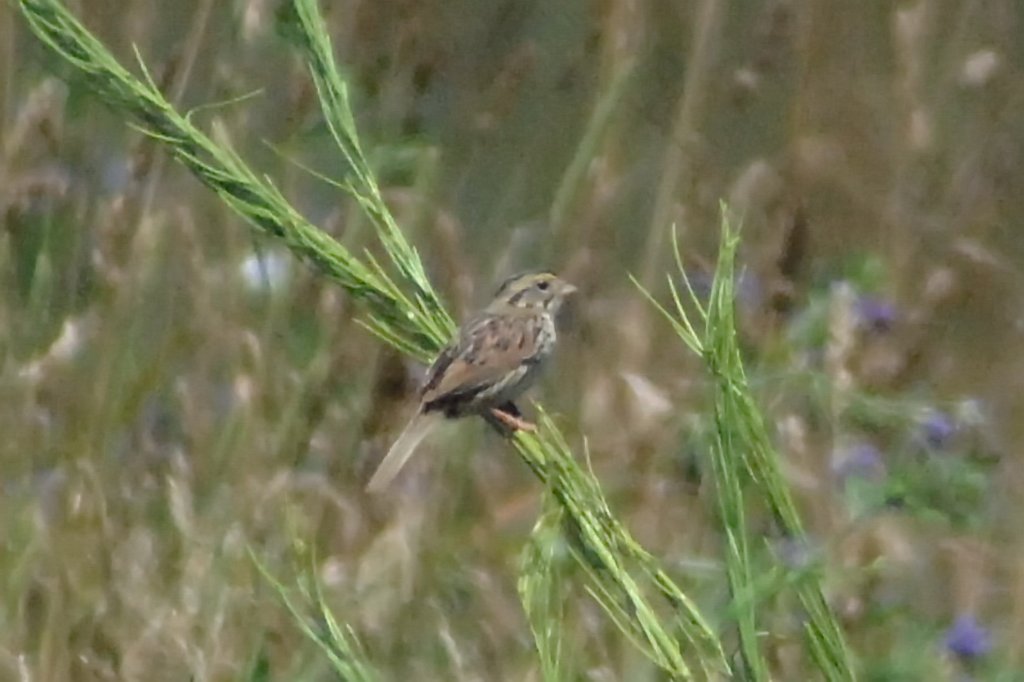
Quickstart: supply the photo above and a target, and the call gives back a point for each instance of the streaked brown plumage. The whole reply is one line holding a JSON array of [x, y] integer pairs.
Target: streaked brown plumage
[[495, 357]]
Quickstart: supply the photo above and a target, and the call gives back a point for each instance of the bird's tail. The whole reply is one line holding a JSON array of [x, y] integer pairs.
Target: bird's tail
[[418, 427]]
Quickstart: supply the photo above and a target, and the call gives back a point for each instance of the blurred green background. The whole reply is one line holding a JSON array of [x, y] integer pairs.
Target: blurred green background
[[174, 391]]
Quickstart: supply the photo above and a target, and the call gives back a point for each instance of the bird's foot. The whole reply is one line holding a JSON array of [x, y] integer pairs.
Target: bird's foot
[[514, 422]]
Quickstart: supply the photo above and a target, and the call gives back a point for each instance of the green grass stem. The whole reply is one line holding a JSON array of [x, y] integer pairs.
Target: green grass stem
[[745, 466], [402, 309]]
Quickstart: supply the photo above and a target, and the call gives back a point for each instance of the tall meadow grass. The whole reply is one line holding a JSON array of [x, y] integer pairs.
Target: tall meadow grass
[[768, 463]]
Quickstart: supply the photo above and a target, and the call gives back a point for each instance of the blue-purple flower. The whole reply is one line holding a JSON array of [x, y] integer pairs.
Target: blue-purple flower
[[860, 460], [795, 553], [937, 428], [967, 638], [876, 314]]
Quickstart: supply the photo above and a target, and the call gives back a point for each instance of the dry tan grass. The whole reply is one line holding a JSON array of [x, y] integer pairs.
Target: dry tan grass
[[172, 392]]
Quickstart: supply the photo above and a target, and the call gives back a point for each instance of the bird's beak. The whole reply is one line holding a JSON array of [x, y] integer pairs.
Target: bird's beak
[[568, 289]]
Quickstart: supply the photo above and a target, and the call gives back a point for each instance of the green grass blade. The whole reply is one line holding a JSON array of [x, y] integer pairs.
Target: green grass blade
[[681, 640]]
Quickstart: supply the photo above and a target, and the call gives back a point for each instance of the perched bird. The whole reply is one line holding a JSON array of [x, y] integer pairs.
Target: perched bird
[[494, 358]]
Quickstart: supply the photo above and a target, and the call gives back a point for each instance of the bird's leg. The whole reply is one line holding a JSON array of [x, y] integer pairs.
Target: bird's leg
[[499, 420], [511, 408], [503, 429], [509, 416]]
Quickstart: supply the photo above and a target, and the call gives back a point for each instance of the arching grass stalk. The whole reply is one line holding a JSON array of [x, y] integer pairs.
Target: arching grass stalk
[[541, 589], [403, 310], [415, 325], [745, 465], [336, 641]]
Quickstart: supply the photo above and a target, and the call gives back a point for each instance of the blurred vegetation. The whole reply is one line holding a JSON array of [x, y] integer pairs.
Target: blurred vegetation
[[177, 392]]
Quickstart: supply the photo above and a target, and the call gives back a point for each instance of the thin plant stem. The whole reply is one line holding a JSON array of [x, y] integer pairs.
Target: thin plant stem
[[403, 310]]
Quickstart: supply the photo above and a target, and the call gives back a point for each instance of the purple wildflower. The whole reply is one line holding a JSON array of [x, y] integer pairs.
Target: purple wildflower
[[795, 553], [862, 460], [876, 314], [937, 428], [967, 638]]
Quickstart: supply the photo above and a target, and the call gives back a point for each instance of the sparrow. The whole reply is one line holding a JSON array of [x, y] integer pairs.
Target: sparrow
[[496, 355]]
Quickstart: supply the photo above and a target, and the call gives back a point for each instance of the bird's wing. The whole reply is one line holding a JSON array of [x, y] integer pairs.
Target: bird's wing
[[490, 348]]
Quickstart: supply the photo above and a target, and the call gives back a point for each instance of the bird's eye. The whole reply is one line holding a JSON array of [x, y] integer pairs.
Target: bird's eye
[[543, 285]]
